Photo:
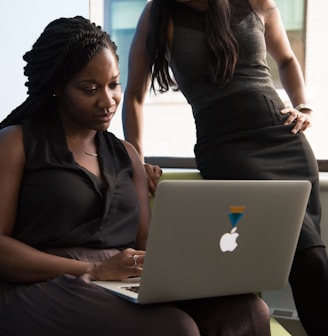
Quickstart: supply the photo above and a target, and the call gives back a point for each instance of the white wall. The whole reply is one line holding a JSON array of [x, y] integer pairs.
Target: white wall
[[21, 23]]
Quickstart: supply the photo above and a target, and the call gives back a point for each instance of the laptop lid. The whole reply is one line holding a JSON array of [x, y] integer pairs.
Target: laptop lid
[[213, 238]]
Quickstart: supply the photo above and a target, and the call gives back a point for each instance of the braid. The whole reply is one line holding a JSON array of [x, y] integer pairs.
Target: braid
[[62, 50]]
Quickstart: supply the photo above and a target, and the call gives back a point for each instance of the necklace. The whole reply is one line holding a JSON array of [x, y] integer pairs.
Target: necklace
[[81, 149]]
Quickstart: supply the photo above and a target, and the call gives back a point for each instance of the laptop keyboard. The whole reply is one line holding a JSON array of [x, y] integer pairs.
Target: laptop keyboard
[[134, 289]]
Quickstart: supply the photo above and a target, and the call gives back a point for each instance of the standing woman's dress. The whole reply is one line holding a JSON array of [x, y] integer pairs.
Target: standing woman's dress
[[240, 131]]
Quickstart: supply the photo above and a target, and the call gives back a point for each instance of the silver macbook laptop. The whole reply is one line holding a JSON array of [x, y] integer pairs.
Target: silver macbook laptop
[[214, 238]]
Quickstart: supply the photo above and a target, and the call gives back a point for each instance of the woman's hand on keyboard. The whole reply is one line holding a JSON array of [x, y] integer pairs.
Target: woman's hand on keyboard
[[125, 264]]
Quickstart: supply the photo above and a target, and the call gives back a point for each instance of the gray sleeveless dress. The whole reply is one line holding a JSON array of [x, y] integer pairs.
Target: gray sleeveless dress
[[240, 131], [64, 210]]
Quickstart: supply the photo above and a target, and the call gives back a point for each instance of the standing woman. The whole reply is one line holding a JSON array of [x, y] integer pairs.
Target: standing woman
[[74, 206], [216, 50]]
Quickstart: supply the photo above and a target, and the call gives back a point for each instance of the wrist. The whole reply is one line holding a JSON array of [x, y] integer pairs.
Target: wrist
[[93, 270], [303, 107]]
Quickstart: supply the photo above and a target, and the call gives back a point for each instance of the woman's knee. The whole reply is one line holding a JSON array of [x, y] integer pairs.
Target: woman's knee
[[232, 315], [312, 261], [171, 321], [259, 316]]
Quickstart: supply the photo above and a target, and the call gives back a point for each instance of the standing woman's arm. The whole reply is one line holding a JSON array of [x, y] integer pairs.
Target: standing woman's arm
[[134, 96], [290, 72], [137, 85], [139, 179]]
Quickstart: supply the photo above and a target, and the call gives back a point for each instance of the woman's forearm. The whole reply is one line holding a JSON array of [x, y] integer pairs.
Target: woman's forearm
[[132, 117], [293, 81], [21, 263]]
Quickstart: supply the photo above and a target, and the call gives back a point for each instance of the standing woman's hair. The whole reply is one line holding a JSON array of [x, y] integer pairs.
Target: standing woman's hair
[[160, 13], [62, 50], [222, 45]]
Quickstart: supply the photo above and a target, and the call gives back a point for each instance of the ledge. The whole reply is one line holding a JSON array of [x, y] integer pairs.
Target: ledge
[[189, 163]]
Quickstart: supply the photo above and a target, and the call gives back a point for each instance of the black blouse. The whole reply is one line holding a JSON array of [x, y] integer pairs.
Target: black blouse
[[61, 204]]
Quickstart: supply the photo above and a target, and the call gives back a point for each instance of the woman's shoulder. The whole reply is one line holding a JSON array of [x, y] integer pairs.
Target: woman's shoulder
[[262, 6], [11, 143], [123, 144], [132, 152], [123, 148], [117, 144], [129, 147], [11, 135], [144, 17]]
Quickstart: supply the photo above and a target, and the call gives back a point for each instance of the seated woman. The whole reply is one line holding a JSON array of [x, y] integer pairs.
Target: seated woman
[[74, 206]]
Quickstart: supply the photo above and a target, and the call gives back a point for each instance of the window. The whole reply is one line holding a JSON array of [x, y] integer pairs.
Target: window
[[120, 19], [293, 16]]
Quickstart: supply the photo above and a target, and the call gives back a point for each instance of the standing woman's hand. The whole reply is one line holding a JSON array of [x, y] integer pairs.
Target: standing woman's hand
[[302, 120], [154, 172]]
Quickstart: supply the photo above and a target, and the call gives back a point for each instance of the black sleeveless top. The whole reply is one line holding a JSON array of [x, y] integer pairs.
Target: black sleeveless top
[[190, 51], [61, 204]]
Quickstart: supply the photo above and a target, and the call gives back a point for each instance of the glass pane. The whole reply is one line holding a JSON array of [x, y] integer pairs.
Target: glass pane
[[120, 20]]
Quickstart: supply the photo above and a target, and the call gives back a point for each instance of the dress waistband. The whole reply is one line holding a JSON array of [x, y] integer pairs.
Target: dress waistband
[[249, 109]]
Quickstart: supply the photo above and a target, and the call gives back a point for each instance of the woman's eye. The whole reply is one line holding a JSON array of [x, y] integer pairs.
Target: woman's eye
[[114, 85], [89, 91]]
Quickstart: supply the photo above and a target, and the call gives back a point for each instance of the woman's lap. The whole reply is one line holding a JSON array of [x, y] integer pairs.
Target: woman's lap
[[73, 306]]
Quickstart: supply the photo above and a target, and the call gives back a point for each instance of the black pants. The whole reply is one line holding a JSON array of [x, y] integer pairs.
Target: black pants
[[309, 282]]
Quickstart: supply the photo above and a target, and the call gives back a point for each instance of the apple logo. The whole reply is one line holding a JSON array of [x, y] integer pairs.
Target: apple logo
[[228, 241]]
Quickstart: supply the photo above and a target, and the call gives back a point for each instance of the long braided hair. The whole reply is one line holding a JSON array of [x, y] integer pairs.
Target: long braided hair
[[222, 45], [62, 50]]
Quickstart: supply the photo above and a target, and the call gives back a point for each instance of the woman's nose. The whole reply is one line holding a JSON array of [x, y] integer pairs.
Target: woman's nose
[[109, 98]]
